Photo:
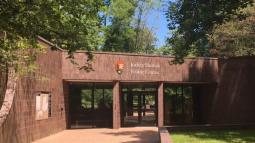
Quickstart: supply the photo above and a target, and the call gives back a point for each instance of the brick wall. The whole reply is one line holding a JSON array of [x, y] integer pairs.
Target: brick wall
[[21, 126], [233, 101], [104, 65]]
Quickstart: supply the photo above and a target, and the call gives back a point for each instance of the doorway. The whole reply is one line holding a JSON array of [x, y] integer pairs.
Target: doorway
[[138, 105], [90, 105], [181, 104]]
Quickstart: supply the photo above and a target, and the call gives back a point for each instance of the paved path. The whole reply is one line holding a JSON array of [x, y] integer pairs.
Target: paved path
[[123, 135]]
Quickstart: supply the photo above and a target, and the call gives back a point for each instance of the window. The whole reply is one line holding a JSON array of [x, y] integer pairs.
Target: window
[[43, 106]]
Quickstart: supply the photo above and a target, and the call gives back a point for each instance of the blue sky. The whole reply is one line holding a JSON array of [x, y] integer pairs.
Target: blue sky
[[156, 20]]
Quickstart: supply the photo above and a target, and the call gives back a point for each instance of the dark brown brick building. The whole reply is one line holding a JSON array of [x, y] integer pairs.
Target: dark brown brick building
[[125, 90]]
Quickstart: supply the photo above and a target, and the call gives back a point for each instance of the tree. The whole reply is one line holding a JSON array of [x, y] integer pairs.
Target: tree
[[194, 20], [70, 24], [143, 7], [144, 41], [163, 50], [118, 34], [127, 31], [236, 37], [119, 37]]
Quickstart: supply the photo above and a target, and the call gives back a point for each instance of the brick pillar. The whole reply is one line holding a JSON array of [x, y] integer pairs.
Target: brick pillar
[[66, 91], [116, 105], [160, 105]]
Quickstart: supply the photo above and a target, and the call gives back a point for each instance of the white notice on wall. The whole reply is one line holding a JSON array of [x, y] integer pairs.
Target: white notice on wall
[[42, 106]]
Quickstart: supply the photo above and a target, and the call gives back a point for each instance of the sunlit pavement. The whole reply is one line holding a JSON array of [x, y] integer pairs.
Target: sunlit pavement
[[123, 135]]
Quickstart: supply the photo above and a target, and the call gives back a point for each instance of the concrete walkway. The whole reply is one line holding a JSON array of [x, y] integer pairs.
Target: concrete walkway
[[123, 135]]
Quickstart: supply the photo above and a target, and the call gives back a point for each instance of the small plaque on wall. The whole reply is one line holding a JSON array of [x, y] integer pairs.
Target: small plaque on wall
[[42, 106]]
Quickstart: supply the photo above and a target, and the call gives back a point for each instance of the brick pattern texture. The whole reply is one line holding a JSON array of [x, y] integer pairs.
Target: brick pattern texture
[[20, 125], [231, 100]]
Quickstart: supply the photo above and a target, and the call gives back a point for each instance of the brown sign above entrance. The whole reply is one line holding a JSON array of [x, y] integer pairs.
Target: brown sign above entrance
[[108, 67], [145, 68]]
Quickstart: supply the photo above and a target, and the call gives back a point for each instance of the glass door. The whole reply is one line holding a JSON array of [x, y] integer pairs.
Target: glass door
[[138, 108]]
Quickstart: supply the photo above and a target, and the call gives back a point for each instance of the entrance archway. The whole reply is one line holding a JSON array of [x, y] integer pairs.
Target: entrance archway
[[90, 105], [138, 104]]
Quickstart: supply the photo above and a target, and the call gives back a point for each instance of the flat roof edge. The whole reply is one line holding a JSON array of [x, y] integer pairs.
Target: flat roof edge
[[141, 81], [120, 53], [49, 43], [241, 57], [142, 55]]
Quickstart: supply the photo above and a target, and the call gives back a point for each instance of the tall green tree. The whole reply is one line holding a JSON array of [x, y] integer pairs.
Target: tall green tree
[[118, 33], [164, 50], [127, 31], [139, 22], [70, 24], [193, 20], [144, 41], [236, 37]]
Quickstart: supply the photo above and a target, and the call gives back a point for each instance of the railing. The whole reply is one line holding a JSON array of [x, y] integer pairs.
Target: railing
[[164, 135]]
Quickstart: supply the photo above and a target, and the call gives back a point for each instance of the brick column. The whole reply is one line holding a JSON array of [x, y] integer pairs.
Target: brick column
[[160, 105], [116, 105], [66, 91]]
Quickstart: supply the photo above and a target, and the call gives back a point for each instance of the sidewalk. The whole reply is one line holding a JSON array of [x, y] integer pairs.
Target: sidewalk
[[123, 135]]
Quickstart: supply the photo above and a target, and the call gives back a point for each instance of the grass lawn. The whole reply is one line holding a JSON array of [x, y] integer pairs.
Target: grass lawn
[[221, 136]]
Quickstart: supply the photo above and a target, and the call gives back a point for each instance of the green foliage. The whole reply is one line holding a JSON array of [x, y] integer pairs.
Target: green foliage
[[194, 20], [70, 24], [119, 37], [145, 41], [214, 136], [118, 33], [100, 95], [236, 37], [143, 7], [126, 32], [164, 50], [122, 9]]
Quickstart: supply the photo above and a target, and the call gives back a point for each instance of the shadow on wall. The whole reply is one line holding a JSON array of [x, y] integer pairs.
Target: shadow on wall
[[233, 102], [203, 76], [26, 119], [200, 70]]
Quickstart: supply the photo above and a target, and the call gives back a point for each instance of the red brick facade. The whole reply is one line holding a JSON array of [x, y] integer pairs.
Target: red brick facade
[[143, 68], [20, 125], [233, 101], [230, 100]]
